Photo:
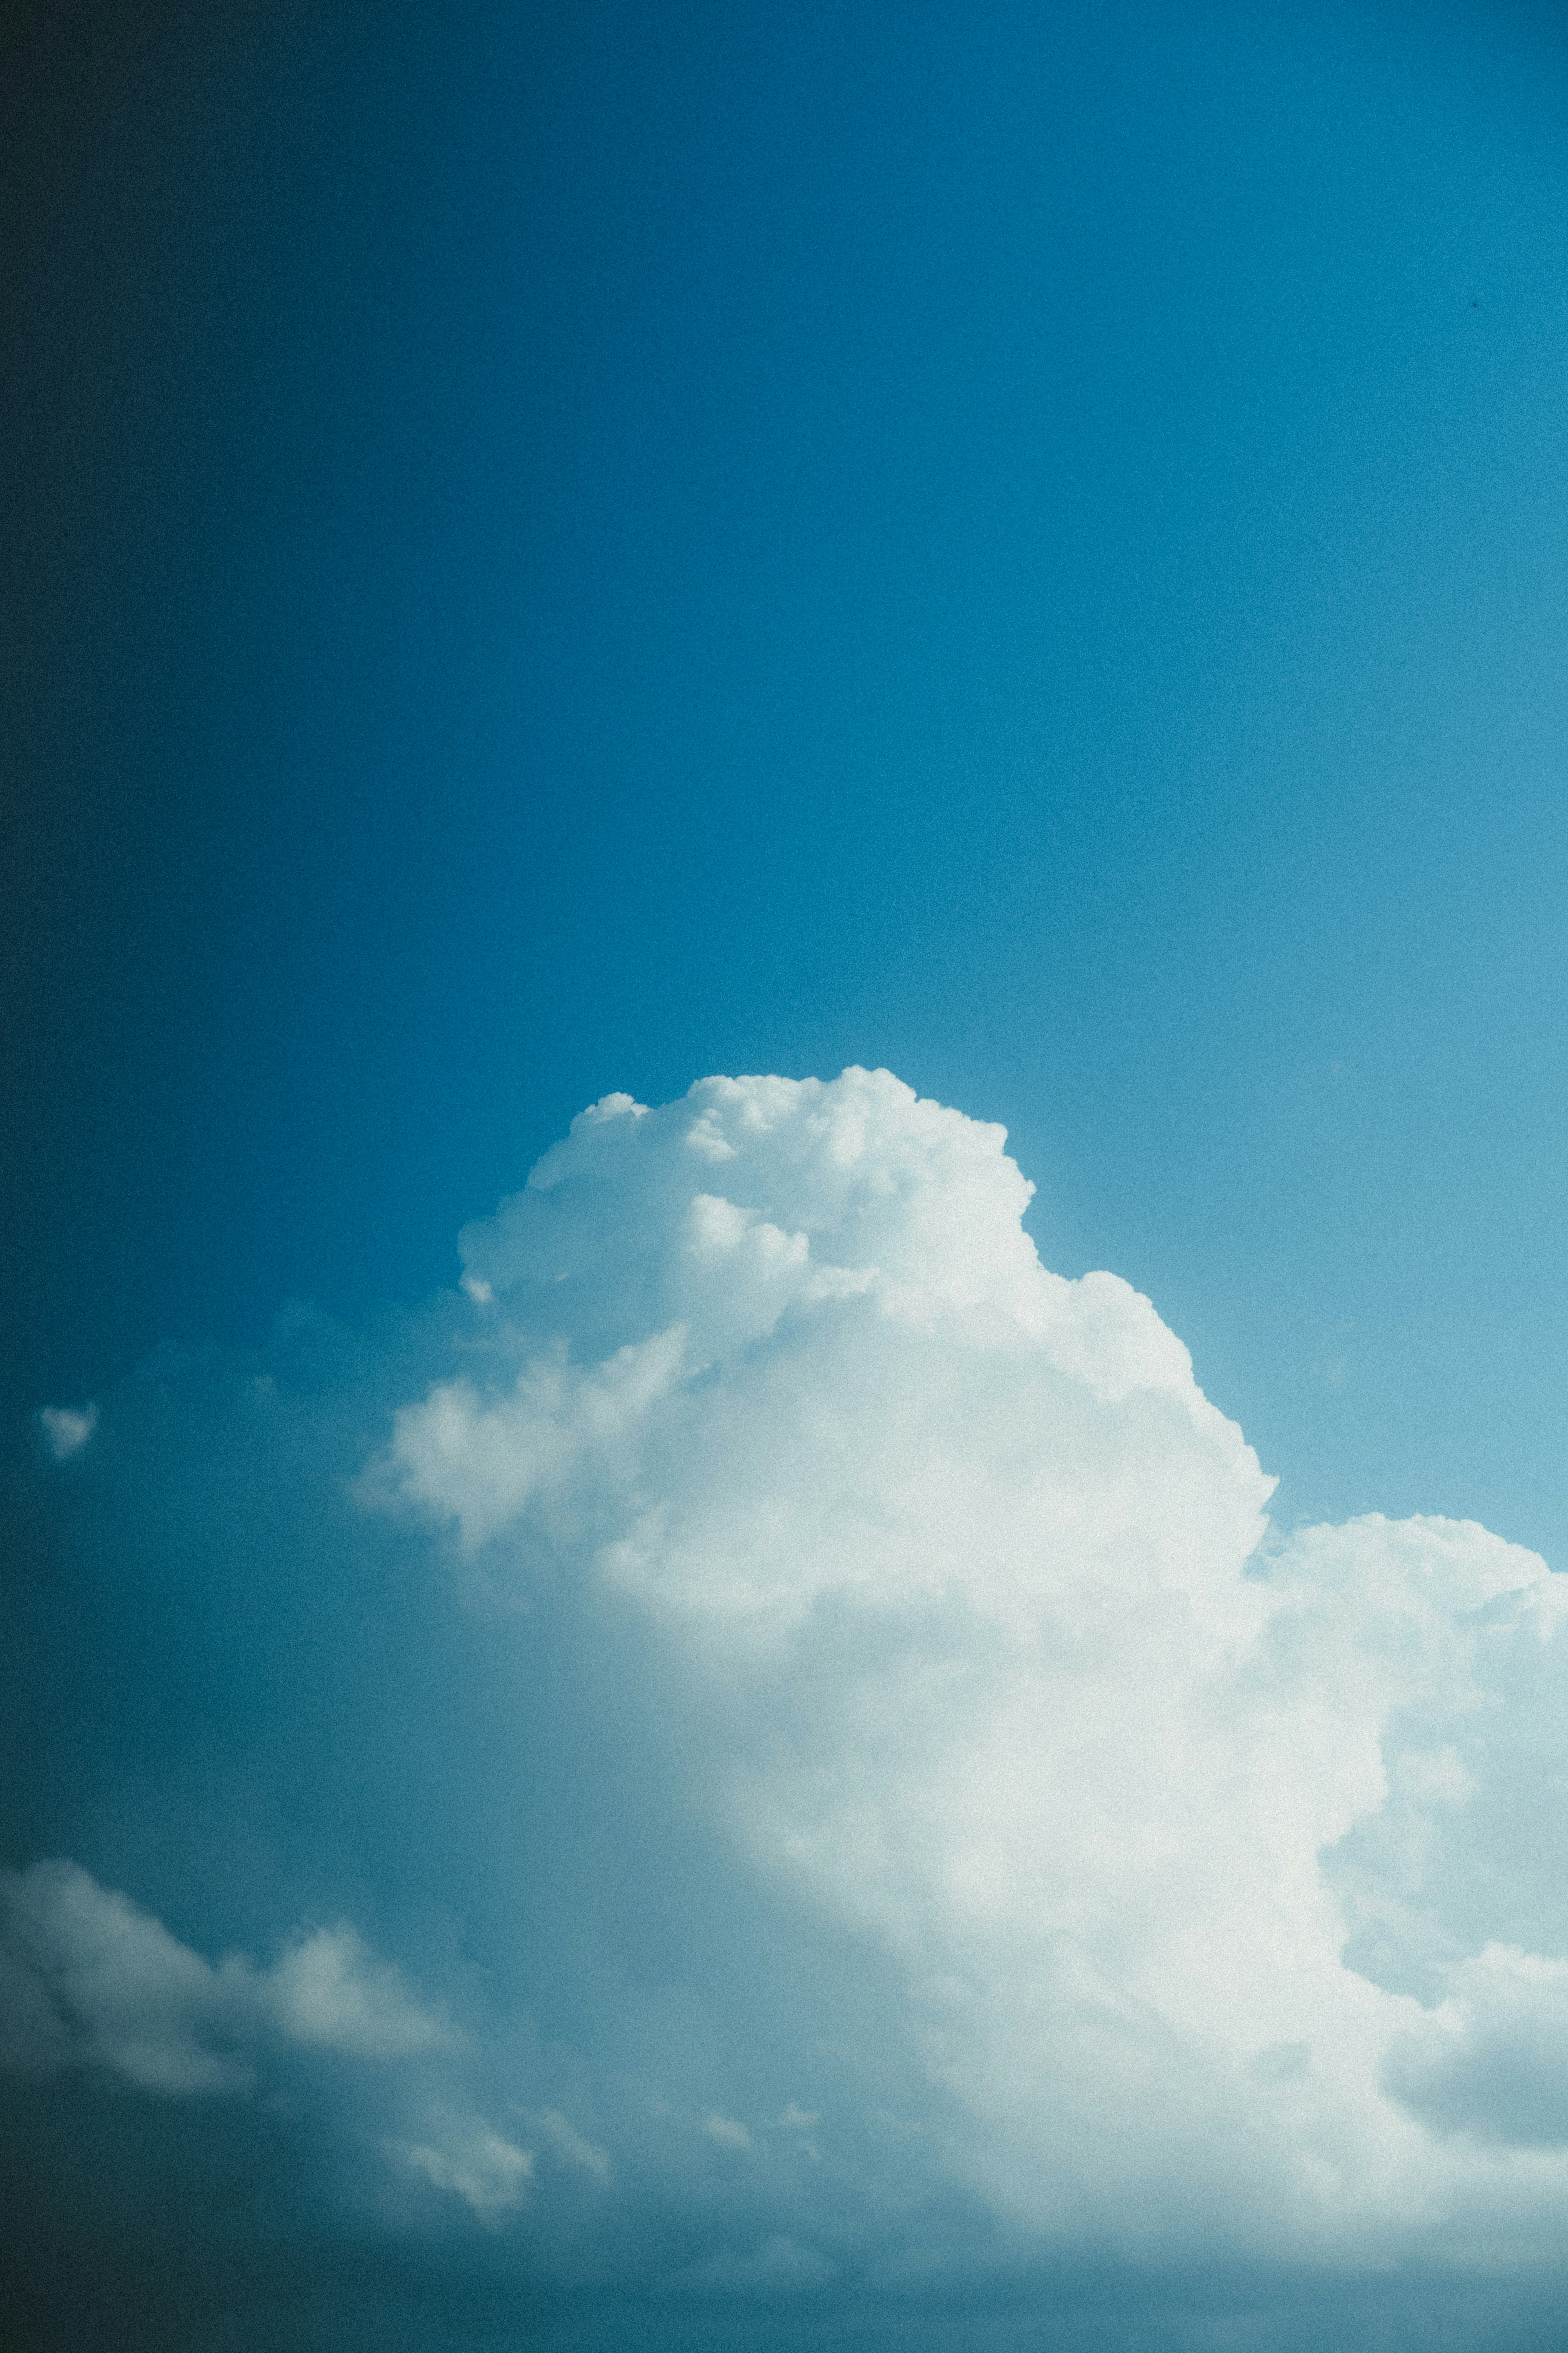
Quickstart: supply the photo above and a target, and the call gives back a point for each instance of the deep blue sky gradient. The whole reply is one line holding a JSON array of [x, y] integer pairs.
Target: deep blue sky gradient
[[556, 549]]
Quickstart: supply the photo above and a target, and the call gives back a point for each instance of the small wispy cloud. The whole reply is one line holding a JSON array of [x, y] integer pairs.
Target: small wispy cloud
[[67, 1428], [570, 2144], [472, 2161]]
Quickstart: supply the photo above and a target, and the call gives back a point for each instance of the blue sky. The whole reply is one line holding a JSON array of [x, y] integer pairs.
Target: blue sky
[[552, 551]]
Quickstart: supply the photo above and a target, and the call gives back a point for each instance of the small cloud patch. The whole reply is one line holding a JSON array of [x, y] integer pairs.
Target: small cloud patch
[[67, 1428]]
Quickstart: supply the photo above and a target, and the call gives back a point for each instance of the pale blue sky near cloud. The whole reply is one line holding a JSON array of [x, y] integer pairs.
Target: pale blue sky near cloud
[[553, 550]]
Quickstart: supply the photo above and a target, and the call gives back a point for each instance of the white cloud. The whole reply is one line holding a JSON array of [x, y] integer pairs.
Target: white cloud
[[89, 1979], [67, 1428], [329, 1993], [956, 1585], [471, 2160], [726, 2131]]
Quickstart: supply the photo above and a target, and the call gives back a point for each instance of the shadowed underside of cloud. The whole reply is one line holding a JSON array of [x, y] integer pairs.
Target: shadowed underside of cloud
[[1192, 1885]]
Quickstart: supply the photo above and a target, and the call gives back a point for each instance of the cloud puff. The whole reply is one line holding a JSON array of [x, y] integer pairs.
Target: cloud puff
[[67, 1428], [489, 2173], [1177, 1837], [89, 1979]]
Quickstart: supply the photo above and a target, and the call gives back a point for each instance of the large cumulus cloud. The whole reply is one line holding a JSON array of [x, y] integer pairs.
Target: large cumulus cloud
[[1065, 1858], [961, 1585]]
